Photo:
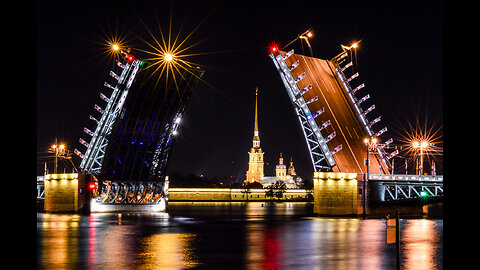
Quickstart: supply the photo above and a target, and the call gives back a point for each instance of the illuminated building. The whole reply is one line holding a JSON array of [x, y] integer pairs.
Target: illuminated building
[[255, 163], [288, 177], [281, 169], [255, 171], [291, 169]]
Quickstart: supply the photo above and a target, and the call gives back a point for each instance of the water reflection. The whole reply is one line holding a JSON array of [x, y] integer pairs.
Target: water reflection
[[249, 235], [168, 251], [60, 239], [420, 240]]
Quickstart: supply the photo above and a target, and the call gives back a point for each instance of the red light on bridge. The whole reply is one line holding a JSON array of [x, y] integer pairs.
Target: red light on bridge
[[92, 186], [274, 48], [130, 57]]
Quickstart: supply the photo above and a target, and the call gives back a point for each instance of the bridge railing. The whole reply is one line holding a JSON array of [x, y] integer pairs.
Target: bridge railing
[[385, 187], [406, 178]]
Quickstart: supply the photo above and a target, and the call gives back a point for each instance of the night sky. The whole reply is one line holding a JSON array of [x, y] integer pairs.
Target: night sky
[[399, 60]]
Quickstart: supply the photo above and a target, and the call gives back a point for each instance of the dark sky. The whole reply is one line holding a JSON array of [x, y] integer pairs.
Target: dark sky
[[399, 60]]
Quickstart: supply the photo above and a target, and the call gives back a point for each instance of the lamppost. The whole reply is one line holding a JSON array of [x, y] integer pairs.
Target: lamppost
[[370, 144], [308, 34], [305, 35], [58, 150], [422, 145], [345, 48]]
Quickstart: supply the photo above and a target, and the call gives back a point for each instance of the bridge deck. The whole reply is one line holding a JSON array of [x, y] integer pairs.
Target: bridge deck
[[349, 132]]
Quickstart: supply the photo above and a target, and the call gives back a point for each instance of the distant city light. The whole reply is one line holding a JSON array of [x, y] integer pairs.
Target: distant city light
[[115, 47]]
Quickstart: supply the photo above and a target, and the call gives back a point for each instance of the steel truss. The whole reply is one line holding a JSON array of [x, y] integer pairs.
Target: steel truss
[[132, 192], [320, 154], [398, 191], [93, 158], [40, 187]]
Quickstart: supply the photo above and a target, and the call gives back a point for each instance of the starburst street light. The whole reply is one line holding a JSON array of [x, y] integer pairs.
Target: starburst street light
[[346, 48], [421, 141], [168, 57], [422, 145]]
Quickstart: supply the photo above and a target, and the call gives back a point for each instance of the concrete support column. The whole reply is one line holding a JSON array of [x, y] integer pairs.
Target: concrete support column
[[336, 194], [67, 192]]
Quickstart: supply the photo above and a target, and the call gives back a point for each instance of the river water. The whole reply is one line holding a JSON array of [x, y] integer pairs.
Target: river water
[[232, 235]]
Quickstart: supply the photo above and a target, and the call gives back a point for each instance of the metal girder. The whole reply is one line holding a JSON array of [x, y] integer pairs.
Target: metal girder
[[131, 192], [399, 191], [93, 158]]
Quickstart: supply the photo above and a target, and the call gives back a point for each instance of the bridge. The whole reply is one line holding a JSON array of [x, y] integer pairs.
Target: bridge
[[128, 150], [342, 133]]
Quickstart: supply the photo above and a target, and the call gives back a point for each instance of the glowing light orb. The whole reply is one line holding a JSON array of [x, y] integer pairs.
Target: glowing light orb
[[274, 48], [115, 47], [168, 57]]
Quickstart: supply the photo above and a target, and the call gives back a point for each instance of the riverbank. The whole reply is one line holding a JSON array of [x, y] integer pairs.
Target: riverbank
[[236, 194]]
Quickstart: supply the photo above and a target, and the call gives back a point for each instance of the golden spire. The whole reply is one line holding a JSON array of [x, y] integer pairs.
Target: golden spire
[[256, 117], [256, 138]]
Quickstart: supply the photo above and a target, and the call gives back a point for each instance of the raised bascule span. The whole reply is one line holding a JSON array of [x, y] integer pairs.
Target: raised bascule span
[[330, 112], [128, 151]]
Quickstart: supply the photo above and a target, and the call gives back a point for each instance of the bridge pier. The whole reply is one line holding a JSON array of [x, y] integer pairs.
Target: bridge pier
[[67, 192], [337, 194], [340, 194]]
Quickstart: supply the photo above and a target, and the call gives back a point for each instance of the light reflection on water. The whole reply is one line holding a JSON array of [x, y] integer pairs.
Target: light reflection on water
[[224, 235]]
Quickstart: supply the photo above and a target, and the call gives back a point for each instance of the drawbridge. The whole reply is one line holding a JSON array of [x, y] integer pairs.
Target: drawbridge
[[332, 112]]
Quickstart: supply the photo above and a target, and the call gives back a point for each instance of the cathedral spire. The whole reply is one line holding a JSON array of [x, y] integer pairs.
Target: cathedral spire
[[256, 112], [256, 138], [255, 156]]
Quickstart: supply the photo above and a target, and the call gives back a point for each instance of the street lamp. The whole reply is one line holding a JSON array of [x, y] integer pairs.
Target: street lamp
[[58, 150], [370, 145], [354, 45], [345, 48], [422, 145], [306, 35], [168, 57]]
